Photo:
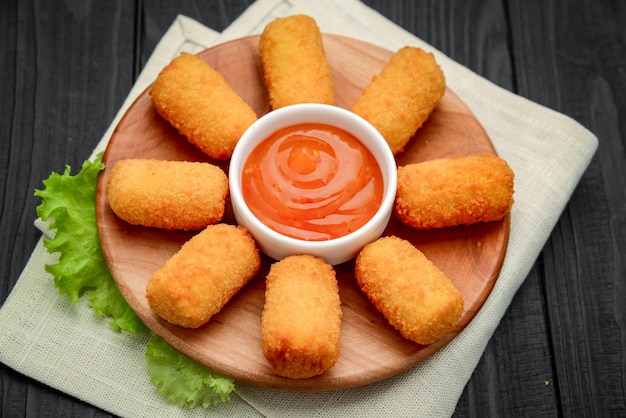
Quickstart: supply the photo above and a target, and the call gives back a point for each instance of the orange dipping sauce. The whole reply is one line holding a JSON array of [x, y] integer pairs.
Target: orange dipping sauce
[[313, 182]]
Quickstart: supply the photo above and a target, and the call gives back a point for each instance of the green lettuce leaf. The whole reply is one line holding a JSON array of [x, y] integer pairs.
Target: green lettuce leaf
[[70, 202], [181, 380], [81, 270]]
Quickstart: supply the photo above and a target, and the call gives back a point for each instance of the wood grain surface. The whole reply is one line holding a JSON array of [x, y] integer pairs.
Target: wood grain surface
[[230, 343], [67, 67]]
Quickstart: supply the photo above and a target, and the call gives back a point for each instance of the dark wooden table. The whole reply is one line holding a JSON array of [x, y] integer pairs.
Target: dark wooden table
[[560, 350]]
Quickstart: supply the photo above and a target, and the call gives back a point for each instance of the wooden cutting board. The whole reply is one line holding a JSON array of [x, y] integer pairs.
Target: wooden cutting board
[[230, 343]]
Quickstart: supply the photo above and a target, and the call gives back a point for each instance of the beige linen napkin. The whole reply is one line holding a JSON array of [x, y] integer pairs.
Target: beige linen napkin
[[68, 347]]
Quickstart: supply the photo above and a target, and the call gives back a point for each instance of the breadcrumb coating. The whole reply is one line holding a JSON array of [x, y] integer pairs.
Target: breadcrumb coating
[[301, 320], [413, 294], [208, 270], [454, 191], [402, 96], [294, 62], [167, 194], [196, 100]]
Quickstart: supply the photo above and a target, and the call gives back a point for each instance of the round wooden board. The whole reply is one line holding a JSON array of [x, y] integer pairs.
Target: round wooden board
[[230, 343]]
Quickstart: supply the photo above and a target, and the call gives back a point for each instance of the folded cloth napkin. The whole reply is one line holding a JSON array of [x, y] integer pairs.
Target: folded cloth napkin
[[64, 345]]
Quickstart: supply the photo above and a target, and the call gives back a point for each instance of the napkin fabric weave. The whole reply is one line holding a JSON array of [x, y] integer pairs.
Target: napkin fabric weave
[[67, 346]]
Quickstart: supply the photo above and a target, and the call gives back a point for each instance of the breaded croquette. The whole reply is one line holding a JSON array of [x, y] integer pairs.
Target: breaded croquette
[[301, 320], [294, 63], [197, 101], [454, 191], [167, 194], [413, 294], [402, 96], [197, 281]]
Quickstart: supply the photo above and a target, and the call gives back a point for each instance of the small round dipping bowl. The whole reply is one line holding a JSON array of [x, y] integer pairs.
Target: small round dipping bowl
[[336, 250]]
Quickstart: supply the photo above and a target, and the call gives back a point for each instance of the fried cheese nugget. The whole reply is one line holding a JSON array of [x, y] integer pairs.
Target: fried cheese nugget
[[196, 100], [208, 270], [454, 191], [301, 320], [402, 96], [167, 194], [294, 62], [413, 294]]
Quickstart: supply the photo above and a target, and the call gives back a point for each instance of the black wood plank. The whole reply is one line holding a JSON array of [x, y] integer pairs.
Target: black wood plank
[[515, 374], [571, 57], [157, 16], [473, 33]]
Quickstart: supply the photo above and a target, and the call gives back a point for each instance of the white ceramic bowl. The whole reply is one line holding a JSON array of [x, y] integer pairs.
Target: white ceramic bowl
[[337, 250]]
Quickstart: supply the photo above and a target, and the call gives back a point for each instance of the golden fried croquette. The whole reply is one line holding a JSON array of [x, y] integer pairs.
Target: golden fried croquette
[[197, 101], [402, 96], [413, 294], [294, 63], [454, 191], [197, 281], [167, 194], [301, 317]]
